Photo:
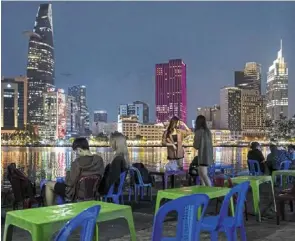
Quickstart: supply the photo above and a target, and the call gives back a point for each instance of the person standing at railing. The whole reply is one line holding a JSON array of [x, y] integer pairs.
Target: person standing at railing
[[172, 139], [203, 143]]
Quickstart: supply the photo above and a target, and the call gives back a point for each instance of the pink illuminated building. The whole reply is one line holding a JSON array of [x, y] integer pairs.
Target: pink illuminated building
[[171, 90]]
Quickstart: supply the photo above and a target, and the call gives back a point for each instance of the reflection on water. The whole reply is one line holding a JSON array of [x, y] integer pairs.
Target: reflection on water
[[42, 162]]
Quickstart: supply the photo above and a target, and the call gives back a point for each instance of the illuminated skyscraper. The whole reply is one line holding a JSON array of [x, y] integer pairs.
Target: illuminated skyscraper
[[14, 95], [40, 68], [55, 113], [277, 88], [171, 90], [250, 77], [230, 108], [79, 94]]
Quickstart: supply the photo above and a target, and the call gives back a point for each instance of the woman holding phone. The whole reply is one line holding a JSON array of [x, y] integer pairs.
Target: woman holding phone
[[172, 139]]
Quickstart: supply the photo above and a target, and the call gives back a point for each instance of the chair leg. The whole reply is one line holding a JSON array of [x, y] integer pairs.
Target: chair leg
[[243, 233], [282, 209], [246, 211], [216, 207], [214, 236], [278, 214], [291, 205]]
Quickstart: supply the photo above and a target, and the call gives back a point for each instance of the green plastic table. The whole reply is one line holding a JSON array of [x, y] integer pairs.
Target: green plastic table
[[43, 222], [255, 181], [212, 192], [284, 174]]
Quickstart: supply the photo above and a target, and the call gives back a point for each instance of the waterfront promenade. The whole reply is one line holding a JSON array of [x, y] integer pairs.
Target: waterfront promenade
[[117, 230]]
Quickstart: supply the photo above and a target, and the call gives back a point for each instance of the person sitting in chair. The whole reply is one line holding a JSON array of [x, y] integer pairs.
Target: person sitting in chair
[[86, 164]]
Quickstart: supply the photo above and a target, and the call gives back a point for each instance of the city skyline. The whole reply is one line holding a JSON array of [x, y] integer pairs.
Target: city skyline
[[206, 73]]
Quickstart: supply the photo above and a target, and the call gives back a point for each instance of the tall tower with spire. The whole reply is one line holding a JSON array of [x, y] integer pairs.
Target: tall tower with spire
[[277, 87]]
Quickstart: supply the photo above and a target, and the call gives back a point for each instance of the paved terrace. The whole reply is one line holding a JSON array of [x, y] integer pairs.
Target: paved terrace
[[117, 230]]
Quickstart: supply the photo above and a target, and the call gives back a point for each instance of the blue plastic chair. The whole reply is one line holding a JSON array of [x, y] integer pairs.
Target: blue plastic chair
[[254, 168], [139, 188], [86, 220], [188, 224], [116, 196], [284, 165], [225, 223]]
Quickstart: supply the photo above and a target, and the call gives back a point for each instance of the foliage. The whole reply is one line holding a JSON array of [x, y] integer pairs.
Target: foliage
[[282, 129]]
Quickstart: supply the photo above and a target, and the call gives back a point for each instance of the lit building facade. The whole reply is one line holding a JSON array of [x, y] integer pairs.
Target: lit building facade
[[104, 127], [14, 96], [40, 67], [128, 126], [55, 112], [171, 94], [151, 132], [79, 94], [230, 108], [253, 110], [72, 116], [100, 116], [137, 108], [212, 115], [277, 88], [249, 78]]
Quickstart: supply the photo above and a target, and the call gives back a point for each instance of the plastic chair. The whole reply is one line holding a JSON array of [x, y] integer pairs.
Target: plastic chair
[[219, 181], [86, 220], [188, 224], [116, 196], [90, 186], [139, 188], [225, 223], [254, 168], [284, 165]]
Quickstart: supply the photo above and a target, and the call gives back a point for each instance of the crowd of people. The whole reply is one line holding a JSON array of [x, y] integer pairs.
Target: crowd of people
[[273, 160]]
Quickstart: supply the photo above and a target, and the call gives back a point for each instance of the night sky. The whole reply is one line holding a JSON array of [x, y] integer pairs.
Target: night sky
[[112, 47]]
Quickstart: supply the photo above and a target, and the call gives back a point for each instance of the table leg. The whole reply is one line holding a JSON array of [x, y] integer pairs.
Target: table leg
[[8, 231], [96, 234], [166, 180], [163, 181], [158, 202], [129, 218], [273, 195], [232, 207], [256, 201]]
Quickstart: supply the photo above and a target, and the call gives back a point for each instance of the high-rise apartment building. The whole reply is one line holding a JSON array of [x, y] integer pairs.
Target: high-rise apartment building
[[277, 88], [137, 108], [230, 108], [128, 126], [212, 115], [79, 94], [40, 67], [55, 112], [100, 116], [250, 77], [171, 94], [14, 96], [253, 110]]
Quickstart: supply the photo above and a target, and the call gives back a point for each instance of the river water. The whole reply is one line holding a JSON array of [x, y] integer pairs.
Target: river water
[[41, 162]]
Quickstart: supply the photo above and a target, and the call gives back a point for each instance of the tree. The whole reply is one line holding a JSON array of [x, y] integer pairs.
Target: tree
[[282, 129]]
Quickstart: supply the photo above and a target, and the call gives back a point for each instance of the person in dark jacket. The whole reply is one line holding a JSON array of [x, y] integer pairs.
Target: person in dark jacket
[[86, 164], [119, 164], [256, 154]]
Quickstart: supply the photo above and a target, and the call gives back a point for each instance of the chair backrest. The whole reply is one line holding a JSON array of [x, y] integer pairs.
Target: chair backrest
[[86, 220], [211, 170], [254, 168], [240, 190], [285, 165], [21, 186], [136, 173], [188, 224], [120, 188], [87, 188]]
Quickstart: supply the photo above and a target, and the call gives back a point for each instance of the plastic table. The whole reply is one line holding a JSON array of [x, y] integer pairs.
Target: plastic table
[[166, 174], [255, 182], [43, 222], [285, 174], [212, 192]]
